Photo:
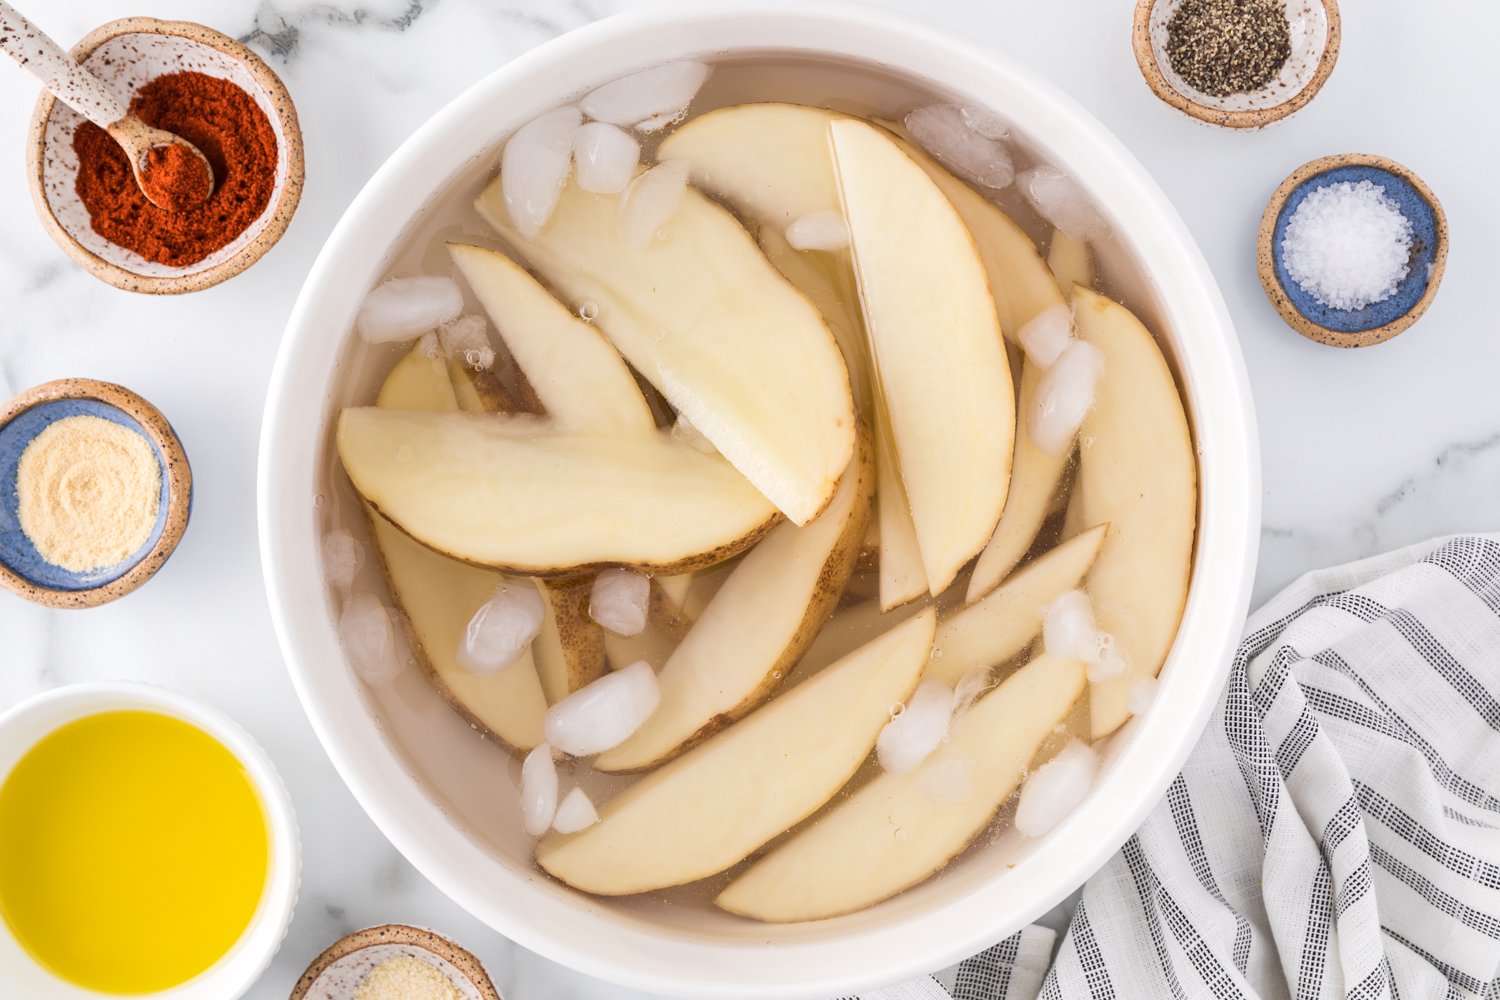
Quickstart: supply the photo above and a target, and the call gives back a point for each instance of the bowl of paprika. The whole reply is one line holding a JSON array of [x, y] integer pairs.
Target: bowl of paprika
[[211, 90]]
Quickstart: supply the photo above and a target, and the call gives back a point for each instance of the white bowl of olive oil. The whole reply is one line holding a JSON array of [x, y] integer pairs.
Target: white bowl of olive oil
[[147, 848]]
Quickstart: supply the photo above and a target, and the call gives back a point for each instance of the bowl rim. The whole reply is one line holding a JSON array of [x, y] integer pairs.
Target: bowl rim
[[72, 702], [1251, 118], [571, 928], [175, 467], [1266, 258], [286, 204]]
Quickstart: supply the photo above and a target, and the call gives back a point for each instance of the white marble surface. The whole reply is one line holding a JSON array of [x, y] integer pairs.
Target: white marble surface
[[1363, 450]]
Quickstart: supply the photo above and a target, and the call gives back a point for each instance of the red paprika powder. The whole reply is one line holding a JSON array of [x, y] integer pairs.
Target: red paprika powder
[[232, 132]]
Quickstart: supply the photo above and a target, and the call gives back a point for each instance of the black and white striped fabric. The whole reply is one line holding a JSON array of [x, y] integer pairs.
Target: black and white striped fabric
[[1336, 833]]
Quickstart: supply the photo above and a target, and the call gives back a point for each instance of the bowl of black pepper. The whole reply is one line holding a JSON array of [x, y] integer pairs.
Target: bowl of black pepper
[[1236, 63]]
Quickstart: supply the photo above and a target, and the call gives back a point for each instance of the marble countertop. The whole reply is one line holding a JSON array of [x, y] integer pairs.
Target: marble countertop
[[1363, 450]]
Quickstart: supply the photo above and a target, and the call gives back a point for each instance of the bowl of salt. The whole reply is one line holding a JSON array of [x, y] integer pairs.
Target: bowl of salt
[[1352, 249]]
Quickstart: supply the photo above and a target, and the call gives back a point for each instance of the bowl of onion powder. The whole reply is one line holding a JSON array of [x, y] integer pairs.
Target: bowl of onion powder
[[1352, 249], [95, 493]]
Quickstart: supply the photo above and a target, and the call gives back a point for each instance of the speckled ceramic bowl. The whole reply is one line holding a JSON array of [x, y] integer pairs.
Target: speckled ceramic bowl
[[22, 569], [126, 54], [236, 971], [1378, 321], [337, 973], [1315, 38]]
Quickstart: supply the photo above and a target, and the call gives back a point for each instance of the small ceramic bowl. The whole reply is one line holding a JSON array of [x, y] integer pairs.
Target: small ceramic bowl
[[1378, 321], [1315, 48], [22, 569], [338, 972], [23, 726], [126, 54]]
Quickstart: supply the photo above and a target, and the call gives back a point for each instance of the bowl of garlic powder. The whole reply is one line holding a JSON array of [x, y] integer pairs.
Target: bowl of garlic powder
[[395, 962], [95, 493]]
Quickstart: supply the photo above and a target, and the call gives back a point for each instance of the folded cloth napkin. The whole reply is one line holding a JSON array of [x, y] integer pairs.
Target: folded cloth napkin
[[1336, 832]]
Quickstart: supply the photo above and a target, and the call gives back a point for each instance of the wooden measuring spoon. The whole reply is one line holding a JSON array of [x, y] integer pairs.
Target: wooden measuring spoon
[[147, 148]]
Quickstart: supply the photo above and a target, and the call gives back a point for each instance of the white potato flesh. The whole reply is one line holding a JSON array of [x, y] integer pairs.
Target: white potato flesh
[[1071, 262], [894, 832], [1019, 278], [755, 629], [510, 493], [580, 379], [712, 807], [707, 320], [1136, 470], [986, 634], [903, 578], [1034, 481], [948, 397], [438, 595]]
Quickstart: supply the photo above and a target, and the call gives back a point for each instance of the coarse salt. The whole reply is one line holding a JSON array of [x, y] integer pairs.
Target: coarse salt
[[1348, 245]]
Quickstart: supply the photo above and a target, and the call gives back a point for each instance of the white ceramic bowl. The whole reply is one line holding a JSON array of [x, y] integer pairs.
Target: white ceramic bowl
[[466, 838], [237, 971]]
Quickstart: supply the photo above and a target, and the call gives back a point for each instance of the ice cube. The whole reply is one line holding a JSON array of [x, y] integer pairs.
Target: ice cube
[[1046, 335], [534, 168], [1142, 694], [684, 432], [368, 633], [605, 158], [467, 339], [1107, 663], [503, 627], [1055, 789], [983, 121], [1068, 631], [343, 555], [1058, 199], [651, 199], [404, 308], [661, 90], [947, 781], [619, 601], [823, 230], [968, 689], [576, 813], [1064, 397], [603, 714], [913, 734], [538, 790], [943, 131]]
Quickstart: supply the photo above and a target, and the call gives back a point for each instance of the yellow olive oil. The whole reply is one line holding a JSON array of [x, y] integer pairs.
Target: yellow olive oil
[[133, 851]]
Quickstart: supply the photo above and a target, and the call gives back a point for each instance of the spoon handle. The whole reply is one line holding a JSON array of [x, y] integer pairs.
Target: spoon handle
[[47, 61]]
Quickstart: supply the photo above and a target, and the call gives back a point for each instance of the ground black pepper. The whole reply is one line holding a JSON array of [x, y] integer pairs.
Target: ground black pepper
[[1225, 47]]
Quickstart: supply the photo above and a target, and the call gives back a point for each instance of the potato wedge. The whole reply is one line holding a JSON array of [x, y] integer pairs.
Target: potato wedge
[[706, 319], [896, 831], [569, 650], [993, 630], [919, 271], [1071, 262], [713, 806], [581, 380], [437, 596], [758, 625], [509, 493], [1035, 478], [1139, 473]]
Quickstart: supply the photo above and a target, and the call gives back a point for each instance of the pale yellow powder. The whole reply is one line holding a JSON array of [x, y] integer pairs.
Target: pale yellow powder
[[89, 491], [406, 978]]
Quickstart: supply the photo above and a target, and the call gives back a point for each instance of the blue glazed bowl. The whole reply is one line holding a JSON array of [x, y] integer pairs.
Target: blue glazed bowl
[[1378, 321], [22, 568]]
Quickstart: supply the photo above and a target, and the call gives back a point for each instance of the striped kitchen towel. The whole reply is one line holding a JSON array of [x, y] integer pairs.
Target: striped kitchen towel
[[1336, 833]]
